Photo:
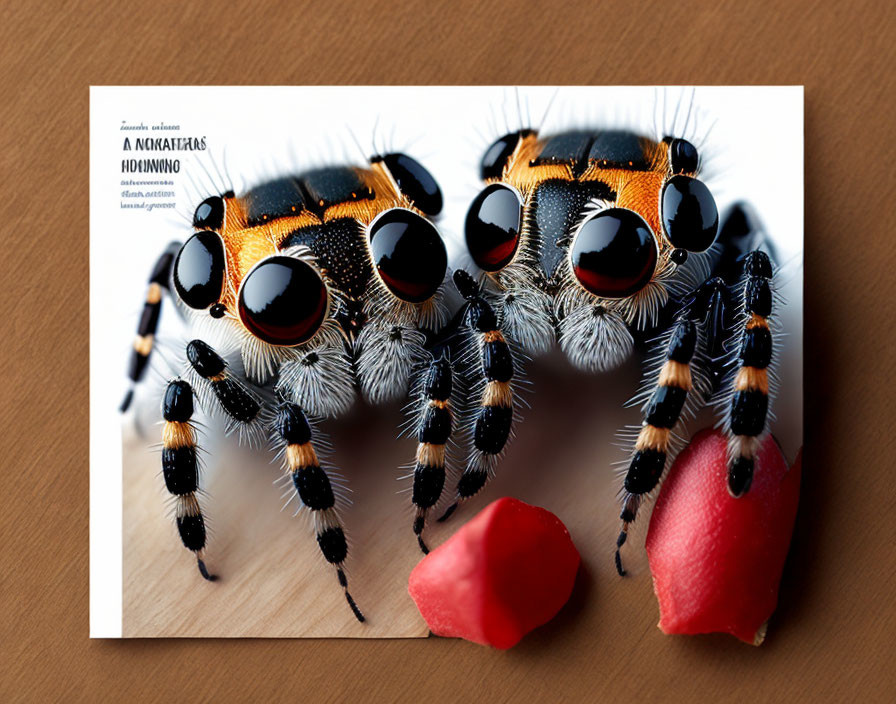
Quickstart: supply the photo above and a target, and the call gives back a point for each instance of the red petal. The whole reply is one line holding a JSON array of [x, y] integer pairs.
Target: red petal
[[716, 560], [508, 570]]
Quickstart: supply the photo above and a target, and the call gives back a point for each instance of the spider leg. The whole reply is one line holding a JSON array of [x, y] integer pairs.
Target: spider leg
[[311, 482], [179, 448], [433, 431], [494, 417], [747, 418], [240, 406], [315, 490], [180, 468], [670, 391], [744, 255], [149, 320]]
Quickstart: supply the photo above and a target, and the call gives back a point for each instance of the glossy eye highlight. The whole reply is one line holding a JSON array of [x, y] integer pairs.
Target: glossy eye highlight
[[498, 154], [283, 301], [689, 214], [409, 254], [614, 253], [209, 214], [199, 270], [683, 156], [415, 182], [493, 226]]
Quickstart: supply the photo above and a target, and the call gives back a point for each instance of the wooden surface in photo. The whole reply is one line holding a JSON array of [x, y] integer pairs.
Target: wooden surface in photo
[[833, 631], [273, 581]]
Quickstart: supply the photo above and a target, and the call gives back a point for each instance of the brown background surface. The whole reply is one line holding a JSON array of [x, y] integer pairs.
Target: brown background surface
[[835, 625]]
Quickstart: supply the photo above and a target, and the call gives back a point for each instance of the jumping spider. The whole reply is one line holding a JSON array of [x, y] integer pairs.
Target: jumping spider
[[329, 282], [591, 239]]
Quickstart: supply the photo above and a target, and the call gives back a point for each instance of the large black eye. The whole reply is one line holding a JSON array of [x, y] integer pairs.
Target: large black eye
[[493, 227], [209, 214], [689, 214], [415, 182], [409, 254], [199, 270], [682, 156], [498, 154], [614, 253], [283, 301]]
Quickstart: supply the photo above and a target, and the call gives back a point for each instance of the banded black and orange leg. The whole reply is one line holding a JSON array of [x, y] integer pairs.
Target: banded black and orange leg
[[315, 490], [433, 431], [180, 468], [218, 385], [149, 320], [747, 417], [668, 391], [180, 465], [494, 417]]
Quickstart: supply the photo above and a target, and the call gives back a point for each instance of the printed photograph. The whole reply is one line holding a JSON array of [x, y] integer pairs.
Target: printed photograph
[[393, 362]]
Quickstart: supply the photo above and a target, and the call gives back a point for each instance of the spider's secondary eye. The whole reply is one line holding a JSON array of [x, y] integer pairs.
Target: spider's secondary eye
[[493, 227], [498, 153], [199, 270], [409, 254], [209, 214], [283, 301], [415, 182], [689, 214], [614, 253], [682, 156]]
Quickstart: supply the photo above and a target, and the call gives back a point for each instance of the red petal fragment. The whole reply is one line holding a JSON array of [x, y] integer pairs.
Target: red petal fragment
[[508, 570], [716, 560]]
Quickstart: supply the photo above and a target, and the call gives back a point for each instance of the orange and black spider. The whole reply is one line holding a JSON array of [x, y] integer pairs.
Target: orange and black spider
[[593, 239], [329, 282]]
